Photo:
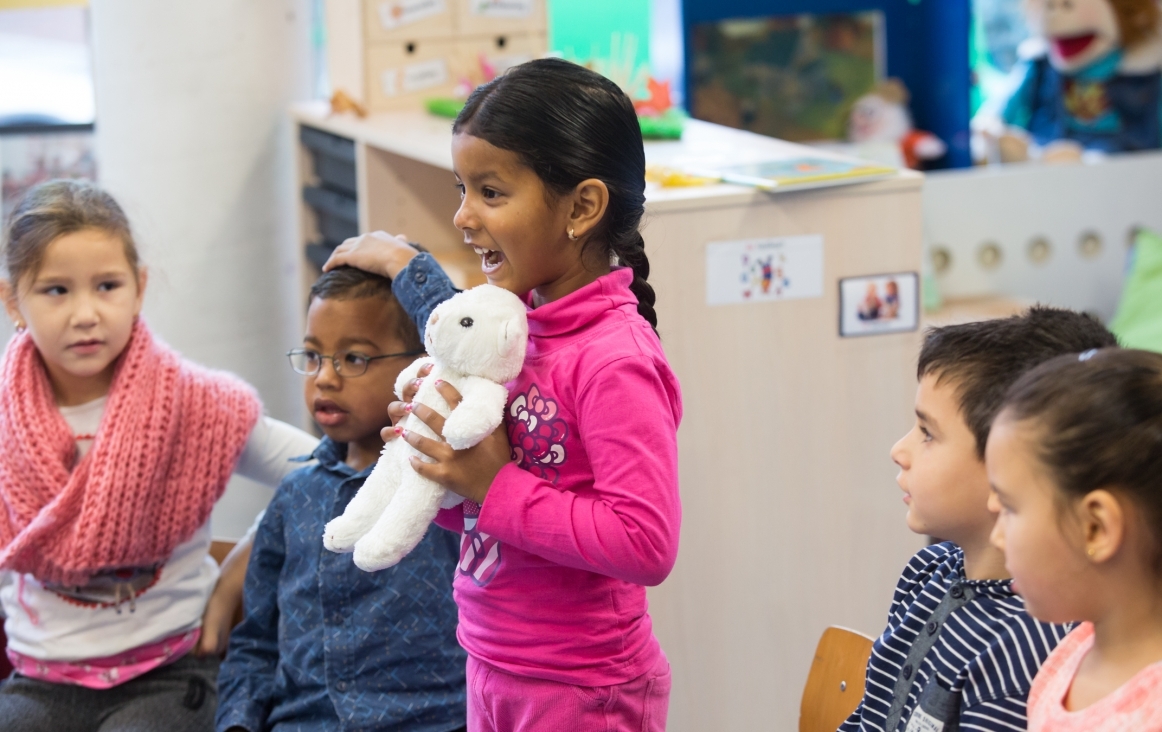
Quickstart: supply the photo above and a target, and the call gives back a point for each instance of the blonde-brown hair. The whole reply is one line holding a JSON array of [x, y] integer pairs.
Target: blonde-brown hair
[[52, 210]]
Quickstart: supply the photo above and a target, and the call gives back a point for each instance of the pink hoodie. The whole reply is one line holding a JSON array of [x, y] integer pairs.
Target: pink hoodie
[[554, 565]]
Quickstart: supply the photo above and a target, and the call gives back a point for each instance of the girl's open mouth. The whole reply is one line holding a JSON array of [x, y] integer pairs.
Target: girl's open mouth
[[490, 259], [1070, 46]]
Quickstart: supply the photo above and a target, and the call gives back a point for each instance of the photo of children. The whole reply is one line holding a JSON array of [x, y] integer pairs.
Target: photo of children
[[878, 304]]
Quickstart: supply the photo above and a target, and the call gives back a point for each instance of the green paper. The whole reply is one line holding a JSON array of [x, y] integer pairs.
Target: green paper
[[668, 126], [444, 106], [1138, 322]]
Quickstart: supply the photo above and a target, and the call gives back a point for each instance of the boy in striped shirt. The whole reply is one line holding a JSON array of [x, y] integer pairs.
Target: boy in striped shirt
[[960, 652]]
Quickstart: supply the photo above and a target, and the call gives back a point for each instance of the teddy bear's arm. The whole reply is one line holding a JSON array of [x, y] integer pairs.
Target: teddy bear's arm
[[479, 413], [411, 371]]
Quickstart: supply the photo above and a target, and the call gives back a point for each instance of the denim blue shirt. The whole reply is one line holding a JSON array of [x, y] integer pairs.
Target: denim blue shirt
[[420, 287], [325, 645]]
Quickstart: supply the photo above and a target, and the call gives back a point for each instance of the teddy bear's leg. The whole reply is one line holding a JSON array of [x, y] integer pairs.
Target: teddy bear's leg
[[369, 503], [402, 525]]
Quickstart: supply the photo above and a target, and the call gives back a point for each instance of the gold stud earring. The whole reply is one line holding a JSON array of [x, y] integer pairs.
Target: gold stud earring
[[1092, 552], [572, 237], [20, 327]]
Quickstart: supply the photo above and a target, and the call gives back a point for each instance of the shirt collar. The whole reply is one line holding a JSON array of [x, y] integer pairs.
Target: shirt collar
[[578, 309], [331, 455]]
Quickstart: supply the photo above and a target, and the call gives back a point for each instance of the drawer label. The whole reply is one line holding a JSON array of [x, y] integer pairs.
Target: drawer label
[[764, 270], [397, 13], [414, 77], [502, 8], [424, 75]]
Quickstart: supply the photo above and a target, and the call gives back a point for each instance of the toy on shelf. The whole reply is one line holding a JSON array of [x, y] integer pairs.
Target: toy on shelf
[[1090, 80], [882, 118], [342, 103]]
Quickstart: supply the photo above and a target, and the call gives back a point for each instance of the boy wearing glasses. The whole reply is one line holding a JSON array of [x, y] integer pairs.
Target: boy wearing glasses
[[323, 644]]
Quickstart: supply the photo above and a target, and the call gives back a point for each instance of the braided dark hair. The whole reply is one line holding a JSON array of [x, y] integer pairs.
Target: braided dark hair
[[569, 124]]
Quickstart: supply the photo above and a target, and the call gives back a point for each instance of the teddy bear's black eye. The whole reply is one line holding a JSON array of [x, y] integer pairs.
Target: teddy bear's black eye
[[466, 322]]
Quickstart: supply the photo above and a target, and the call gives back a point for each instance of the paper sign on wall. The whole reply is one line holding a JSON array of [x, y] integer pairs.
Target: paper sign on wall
[[502, 8], [398, 13], [763, 270]]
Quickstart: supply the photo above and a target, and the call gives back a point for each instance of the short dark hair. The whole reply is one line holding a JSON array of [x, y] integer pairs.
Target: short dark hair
[[1098, 423], [352, 283], [983, 359]]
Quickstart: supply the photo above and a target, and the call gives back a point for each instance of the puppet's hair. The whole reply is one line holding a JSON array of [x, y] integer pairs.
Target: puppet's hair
[[1138, 20]]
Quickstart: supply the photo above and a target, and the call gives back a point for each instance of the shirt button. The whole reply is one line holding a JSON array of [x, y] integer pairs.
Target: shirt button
[[957, 591], [421, 277], [341, 686], [908, 671], [932, 627]]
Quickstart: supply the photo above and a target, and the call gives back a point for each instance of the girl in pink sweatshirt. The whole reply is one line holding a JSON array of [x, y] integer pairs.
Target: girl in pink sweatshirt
[[1075, 459], [573, 504]]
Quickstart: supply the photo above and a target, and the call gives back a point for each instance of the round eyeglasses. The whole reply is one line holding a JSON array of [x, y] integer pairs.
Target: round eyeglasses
[[348, 364]]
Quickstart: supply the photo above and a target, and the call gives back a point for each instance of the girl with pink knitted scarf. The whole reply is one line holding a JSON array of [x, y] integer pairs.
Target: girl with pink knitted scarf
[[113, 451]]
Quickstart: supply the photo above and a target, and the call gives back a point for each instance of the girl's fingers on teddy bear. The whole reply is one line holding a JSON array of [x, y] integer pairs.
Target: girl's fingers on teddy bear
[[436, 450], [428, 416], [449, 393], [396, 411]]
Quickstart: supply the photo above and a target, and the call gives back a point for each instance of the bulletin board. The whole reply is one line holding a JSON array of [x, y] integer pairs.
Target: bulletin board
[[926, 46]]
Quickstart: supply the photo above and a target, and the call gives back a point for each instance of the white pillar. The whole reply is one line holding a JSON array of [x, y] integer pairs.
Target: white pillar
[[193, 140]]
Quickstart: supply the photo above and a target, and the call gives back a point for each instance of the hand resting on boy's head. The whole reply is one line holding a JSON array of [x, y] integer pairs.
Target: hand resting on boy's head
[[377, 252]]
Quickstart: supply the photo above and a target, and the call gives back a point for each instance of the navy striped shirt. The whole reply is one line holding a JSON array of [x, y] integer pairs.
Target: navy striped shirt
[[983, 661]]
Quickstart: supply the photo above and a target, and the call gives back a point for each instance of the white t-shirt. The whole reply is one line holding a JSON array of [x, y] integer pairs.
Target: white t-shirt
[[49, 625]]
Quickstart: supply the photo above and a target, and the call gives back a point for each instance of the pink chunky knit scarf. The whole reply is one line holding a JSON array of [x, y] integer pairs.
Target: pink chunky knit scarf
[[168, 441]]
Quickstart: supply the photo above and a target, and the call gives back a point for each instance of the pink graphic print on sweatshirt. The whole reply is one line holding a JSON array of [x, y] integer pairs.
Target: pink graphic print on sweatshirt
[[537, 434], [479, 552]]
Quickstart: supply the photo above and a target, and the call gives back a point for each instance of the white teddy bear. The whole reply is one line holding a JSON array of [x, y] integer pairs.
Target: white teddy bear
[[476, 341]]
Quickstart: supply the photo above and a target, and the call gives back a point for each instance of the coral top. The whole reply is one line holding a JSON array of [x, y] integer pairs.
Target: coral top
[[1135, 707], [554, 565]]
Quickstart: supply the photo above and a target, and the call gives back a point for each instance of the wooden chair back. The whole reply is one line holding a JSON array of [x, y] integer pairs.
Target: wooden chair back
[[835, 683]]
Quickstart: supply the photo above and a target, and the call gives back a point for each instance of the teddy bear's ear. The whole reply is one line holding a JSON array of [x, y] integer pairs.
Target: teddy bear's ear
[[508, 336]]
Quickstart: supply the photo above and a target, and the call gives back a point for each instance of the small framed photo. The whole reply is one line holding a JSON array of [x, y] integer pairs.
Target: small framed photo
[[879, 304]]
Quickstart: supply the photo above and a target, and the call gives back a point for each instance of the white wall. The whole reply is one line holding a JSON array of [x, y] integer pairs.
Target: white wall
[[193, 140], [1010, 206]]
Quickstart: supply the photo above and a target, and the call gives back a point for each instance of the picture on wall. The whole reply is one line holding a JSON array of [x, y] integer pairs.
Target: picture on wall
[[879, 304], [791, 77]]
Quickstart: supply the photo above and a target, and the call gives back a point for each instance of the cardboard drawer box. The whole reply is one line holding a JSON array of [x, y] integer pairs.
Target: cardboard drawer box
[[500, 52], [404, 20], [401, 75], [499, 17]]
